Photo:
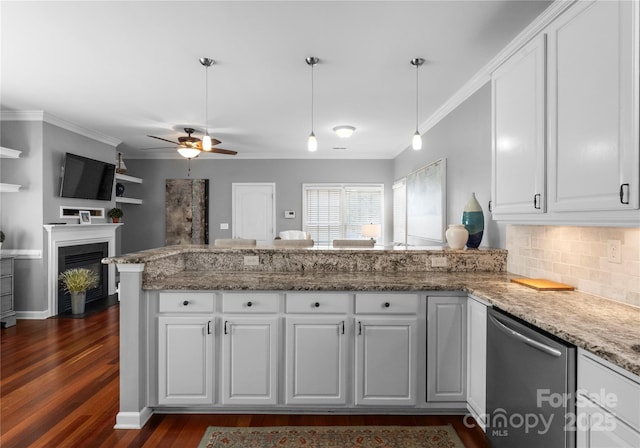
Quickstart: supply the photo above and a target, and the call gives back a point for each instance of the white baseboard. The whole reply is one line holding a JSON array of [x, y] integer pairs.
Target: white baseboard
[[32, 315], [133, 420]]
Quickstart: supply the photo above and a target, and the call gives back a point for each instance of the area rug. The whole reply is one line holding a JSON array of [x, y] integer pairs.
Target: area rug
[[332, 437]]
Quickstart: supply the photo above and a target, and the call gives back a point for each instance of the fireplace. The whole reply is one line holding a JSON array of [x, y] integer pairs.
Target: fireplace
[[84, 256]]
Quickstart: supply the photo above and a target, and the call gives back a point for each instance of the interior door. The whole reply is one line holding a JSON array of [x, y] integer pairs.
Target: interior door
[[253, 211]]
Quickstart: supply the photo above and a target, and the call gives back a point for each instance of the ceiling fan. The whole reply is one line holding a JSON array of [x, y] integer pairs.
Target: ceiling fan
[[195, 143]]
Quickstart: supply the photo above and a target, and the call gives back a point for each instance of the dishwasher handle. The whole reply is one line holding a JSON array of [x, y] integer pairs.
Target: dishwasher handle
[[535, 344]]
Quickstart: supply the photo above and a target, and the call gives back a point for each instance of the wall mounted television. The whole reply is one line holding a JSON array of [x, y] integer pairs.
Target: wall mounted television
[[85, 178]]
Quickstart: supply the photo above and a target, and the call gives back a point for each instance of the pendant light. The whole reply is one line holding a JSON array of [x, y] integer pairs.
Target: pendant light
[[206, 140], [416, 143], [312, 142]]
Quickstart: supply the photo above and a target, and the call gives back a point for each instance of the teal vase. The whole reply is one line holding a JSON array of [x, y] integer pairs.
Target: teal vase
[[473, 221]]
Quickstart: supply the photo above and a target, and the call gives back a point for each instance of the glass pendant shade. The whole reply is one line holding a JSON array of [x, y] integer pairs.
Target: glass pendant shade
[[416, 144], [312, 143], [206, 143], [188, 153]]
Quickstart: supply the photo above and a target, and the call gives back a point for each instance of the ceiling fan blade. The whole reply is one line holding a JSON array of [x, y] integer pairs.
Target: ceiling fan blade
[[157, 147], [164, 139], [224, 151]]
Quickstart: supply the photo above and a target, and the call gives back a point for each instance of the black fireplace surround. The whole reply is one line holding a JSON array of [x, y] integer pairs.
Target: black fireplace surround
[[83, 256]]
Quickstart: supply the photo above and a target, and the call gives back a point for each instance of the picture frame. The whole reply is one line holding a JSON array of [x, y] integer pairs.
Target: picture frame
[[85, 216], [427, 203]]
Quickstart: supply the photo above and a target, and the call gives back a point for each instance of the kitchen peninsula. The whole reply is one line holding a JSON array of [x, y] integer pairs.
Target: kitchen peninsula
[[206, 329]]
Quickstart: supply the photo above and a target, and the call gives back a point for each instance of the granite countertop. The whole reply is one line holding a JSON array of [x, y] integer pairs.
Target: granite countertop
[[604, 327]]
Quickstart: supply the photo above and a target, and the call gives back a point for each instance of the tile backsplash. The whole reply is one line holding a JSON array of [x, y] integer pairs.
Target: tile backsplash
[[578, 256]]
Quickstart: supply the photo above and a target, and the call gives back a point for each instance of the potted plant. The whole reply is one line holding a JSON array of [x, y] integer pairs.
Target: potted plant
[[76, 282], [115, 214]]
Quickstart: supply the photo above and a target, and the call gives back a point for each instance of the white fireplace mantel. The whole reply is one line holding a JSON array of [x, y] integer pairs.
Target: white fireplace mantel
[[61, 235]]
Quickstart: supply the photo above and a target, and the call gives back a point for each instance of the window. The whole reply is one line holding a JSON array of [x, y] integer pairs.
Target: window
[[338, 211], [400, 211]]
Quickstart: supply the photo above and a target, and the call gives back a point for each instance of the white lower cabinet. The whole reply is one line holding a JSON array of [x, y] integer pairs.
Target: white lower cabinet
[[386, 361], [316, 360], [446, 348], [477, 359], [608, 405], [185, 360], [249, 360]]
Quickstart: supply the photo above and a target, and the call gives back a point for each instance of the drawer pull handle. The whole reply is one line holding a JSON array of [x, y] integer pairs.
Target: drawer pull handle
[[342, 327], [225, 327], [387, 304], [209, 327], [185, 303], [359, 327], [249, 304], [316, 305], [622, 195]]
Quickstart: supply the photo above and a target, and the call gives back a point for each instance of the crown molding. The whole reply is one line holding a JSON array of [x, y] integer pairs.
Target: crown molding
[[484, 74], [42, 116]]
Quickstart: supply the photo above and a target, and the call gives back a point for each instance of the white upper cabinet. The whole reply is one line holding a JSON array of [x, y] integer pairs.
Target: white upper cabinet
[[518, 147], [593, 108], [565, 122]]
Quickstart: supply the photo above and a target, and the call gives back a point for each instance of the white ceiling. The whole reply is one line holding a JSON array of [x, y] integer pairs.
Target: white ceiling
[[128, 69]]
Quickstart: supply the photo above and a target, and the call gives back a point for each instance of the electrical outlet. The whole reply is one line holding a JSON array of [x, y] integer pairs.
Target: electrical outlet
[[613, 251], [251, 260], [439, 262], [224, 226]]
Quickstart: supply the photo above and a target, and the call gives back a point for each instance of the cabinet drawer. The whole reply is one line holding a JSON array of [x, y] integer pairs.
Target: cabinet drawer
[[250, 302], [620, 393], [6, 266], [371, 303], [311, 303], [6, 285], [186, 302]]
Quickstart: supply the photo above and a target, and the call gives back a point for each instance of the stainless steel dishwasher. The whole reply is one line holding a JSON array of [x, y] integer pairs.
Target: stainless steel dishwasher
[[530, 386]]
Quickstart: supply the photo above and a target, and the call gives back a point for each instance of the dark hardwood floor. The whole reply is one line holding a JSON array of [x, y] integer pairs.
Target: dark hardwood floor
[[59, 388]]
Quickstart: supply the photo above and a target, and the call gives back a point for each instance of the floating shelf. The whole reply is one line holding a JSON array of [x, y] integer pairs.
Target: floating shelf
[[9, 188], [130, 179], [7, 153], [124, 200]]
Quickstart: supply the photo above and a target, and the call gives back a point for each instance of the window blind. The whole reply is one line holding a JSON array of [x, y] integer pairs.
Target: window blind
[[338, 211], [400, 211]]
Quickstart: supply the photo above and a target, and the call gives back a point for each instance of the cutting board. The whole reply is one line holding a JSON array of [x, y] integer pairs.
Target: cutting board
[[541, 284]]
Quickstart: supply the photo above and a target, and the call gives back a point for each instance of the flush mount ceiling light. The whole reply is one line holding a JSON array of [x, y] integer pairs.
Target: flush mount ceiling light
[[344, 131], [416, 143], [206, 140], [312, 142]]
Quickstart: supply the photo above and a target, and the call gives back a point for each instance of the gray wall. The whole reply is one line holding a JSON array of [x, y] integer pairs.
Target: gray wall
[[23, 214], [144, 224], [464, 138]]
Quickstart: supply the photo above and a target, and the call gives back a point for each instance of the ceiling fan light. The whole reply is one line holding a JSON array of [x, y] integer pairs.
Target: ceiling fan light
[[344, 131], [188, 153], [312, 143], [206, 143], [416, 144]]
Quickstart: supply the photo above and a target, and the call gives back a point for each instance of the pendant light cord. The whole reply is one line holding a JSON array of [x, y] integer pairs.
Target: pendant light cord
[[206, 100], [417, 67], [312, 98]]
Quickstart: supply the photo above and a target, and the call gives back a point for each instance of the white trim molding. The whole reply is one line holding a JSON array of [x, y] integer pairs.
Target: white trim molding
[[22, 254], [39, 115], [74, 235], [132, 420]]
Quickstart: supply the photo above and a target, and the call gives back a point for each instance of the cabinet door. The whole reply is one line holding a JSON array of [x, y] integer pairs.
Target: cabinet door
[[597, 428], [316, 360], [477, 358], [518, 141], [386, 356], [249, 360], [185, 360], [593, 113], [446, 348]]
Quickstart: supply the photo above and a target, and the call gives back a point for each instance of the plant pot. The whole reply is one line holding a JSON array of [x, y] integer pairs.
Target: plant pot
[[78, 300], [115, 220]]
